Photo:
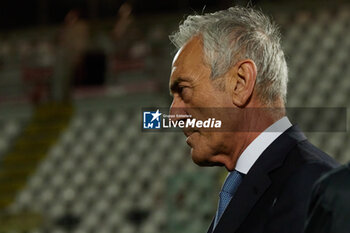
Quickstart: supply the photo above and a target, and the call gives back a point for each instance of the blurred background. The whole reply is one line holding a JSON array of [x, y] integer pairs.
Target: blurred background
[[74, 76]]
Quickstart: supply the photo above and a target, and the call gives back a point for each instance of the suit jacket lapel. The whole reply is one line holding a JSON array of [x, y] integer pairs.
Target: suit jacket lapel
[[256, 181], [241, 204]]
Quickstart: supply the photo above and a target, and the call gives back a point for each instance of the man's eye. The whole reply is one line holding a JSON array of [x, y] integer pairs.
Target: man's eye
[[184, 92], [181, 89]]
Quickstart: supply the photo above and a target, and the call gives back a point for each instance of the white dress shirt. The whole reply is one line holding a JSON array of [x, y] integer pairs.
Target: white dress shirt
[[260, 143]]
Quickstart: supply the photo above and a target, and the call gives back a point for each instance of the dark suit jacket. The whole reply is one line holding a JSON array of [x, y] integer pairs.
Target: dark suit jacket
[[273, 196], [329, 210]]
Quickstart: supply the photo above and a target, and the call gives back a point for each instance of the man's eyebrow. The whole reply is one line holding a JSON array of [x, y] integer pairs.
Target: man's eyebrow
[[175, 85]]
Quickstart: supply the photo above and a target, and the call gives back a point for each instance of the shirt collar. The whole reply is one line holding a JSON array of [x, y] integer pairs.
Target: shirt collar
[[260, 143]]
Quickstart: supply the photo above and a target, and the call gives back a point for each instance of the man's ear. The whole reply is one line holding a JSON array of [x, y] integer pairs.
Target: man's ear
[[242, 81]]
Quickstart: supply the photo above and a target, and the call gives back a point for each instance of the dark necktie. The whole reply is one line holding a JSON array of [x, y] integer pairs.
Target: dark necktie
[[228, 190]]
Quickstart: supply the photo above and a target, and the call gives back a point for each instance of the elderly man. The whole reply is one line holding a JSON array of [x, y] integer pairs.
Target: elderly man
[[232, 59]]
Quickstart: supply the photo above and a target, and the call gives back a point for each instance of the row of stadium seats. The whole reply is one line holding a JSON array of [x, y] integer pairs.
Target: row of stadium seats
[[103, 170]]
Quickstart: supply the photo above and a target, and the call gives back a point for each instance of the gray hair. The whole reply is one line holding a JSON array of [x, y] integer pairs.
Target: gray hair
[[235, 34]]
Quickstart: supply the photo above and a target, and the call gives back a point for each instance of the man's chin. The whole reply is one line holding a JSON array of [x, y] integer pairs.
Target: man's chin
[[201, 160]]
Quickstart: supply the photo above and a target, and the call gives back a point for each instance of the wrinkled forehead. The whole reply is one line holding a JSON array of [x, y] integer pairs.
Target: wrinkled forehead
[[177, 55], [190, 54]]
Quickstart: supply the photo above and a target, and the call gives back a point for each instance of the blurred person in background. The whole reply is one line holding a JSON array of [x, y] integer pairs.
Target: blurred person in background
[[329, 210], [233, 59], [73, 43], [130, 45], [124, 20], [122, 30]]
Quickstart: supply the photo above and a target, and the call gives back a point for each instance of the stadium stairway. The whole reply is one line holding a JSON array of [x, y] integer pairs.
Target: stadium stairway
[[30, 148]]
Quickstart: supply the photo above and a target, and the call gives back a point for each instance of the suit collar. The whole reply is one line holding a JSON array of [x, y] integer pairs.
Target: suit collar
[[257, 181], [254, 150]]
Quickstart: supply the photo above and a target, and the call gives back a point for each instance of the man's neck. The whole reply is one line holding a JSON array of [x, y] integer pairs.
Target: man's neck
[[243, 139]]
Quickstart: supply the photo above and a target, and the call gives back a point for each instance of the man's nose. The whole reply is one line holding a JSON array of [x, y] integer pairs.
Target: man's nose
[[177, 110]]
